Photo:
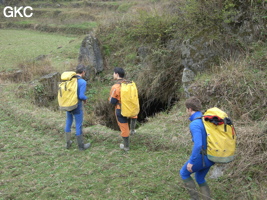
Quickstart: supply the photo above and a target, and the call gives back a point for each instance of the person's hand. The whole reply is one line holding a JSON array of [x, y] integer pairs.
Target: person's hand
[[189, 167], [84, 101]]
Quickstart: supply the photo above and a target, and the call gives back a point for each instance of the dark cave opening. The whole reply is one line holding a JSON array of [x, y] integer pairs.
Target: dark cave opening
[[148, 108]]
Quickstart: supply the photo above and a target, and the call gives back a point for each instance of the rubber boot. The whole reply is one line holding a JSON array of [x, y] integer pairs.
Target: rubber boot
[[68, 141], [81, 145], [205, 191], [125, 145], [191, 188], [132, 125]]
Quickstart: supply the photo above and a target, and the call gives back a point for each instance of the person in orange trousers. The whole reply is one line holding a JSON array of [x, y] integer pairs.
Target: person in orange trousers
[[115, 99]]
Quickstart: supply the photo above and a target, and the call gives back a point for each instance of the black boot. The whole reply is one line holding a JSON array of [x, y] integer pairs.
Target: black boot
[[205, 191], [191, 188], [132, 125], [81, 145], [68, 141], [125, 145]]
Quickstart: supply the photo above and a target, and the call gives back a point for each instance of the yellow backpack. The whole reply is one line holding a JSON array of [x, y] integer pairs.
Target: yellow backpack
[[129, 99], [67, 91], [221, 136]]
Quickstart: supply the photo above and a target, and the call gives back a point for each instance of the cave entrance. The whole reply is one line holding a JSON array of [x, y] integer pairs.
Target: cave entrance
[[148, 108]]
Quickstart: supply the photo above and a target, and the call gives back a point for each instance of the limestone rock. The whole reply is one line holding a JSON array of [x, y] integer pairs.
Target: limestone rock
[[90, 55], [187, 78]]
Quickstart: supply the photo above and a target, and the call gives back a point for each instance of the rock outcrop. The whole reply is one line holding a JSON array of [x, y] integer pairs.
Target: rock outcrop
[[46, 88], [90, 55]]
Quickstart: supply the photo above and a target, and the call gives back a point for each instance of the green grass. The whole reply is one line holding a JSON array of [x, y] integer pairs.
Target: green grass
[[18, 46], [103, 172], [35, 164]]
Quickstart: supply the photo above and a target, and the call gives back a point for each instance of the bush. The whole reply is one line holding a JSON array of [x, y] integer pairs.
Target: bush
[[152, 28], [235, 87]]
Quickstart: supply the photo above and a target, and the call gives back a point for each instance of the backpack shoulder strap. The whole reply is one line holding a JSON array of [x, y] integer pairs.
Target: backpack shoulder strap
[[121, 81], [203, 152], [197, 118], [76, 76]]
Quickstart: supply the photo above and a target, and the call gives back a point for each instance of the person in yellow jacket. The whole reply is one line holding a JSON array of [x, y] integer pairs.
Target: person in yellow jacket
[[115, 99]]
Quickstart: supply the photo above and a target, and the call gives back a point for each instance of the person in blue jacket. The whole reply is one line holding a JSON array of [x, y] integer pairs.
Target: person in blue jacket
[[77, 113], [198, 162]]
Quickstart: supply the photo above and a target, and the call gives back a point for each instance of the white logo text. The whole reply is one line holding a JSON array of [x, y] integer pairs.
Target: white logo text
[[14, 12]]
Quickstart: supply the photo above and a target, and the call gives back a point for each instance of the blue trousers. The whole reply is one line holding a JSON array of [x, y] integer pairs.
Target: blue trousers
[[77, 114], [198, 168]]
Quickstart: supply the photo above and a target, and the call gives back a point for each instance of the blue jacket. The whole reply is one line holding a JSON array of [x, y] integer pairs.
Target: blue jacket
[[81, 90], [199, 137]]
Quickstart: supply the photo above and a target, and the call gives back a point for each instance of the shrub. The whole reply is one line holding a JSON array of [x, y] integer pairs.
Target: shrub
[[152, 28], [235, 86]]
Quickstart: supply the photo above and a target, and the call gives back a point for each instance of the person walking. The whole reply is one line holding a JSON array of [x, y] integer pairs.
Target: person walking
[[77, 113], [115, 99], [198, 162]]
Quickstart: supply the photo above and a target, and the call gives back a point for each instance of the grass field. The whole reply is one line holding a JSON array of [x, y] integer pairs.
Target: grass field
[[19, 46], [35, 164]]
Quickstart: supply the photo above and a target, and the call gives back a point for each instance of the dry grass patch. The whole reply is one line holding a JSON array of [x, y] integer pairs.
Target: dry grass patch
[[247, 174], [234, 87], [28, 70]]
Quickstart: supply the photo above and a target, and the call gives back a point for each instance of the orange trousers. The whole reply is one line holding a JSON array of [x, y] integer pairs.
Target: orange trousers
[[123, 123]]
